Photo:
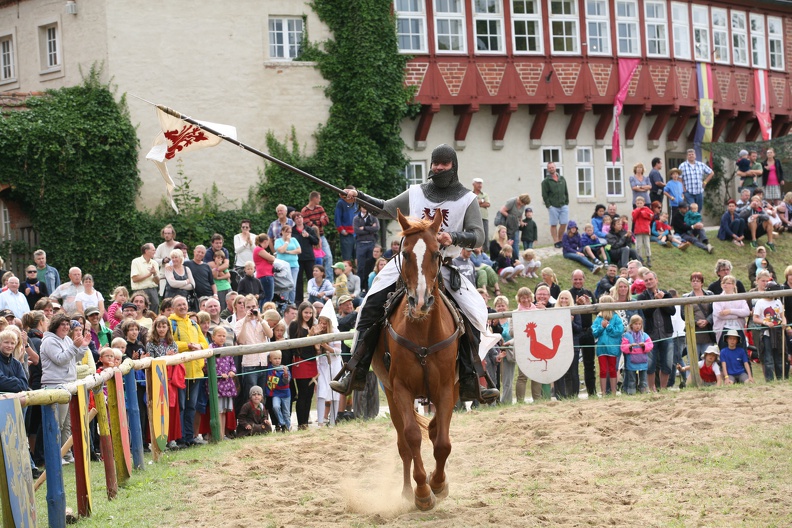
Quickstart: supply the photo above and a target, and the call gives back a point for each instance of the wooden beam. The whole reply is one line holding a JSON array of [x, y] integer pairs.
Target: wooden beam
[[721, 120], [504, 113], [425, 121], [737, 127], [636, 114], [778, 122], [663, 116], [465, 113], [542, 112], [785, 128], [578, 113], [603, 124], [679, 123], [753, 132]]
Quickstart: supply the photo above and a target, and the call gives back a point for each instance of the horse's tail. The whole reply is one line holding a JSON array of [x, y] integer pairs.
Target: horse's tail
[[423, 423]]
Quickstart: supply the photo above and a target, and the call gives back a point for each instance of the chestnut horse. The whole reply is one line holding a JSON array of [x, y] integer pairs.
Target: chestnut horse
[[421, 337]]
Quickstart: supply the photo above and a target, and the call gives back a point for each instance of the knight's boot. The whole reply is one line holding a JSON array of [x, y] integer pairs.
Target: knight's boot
[[470, 370], [354, 374]]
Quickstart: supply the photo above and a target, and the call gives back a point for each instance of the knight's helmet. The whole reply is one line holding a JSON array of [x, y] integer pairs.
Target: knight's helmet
[[445, 154]]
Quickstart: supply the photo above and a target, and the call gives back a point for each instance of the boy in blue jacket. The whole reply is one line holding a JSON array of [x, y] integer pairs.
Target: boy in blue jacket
[[12, 374]]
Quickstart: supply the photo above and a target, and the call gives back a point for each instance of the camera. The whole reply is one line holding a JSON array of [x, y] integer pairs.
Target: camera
[[254, 312]]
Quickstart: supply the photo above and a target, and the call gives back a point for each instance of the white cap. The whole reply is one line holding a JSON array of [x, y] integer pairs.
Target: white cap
[[478, 180]]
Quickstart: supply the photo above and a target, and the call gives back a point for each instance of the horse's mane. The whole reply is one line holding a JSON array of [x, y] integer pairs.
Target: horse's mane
[[416, 226]]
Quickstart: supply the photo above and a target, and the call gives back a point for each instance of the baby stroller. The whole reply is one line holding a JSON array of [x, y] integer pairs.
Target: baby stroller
[[284, 283]]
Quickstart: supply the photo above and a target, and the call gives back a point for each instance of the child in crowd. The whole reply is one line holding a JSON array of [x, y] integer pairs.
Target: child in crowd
[[113, 315], [674, 190], [524, 299], [278, 392], [221, 275], [528, 229], [204, 321], [340, 284], [249, 284], [636, 345], [12, 374], [607, 330], [734, 360], [328, 362], [133, 348], [508, 268], [709, 371], [693, 216], [106, 359], [663, 234], [592, 246], [743, 164], [624, 273], [606, 224], [252, 418], [769, 315], [226, 372], [642, 221], [530, 264], [637, 288]]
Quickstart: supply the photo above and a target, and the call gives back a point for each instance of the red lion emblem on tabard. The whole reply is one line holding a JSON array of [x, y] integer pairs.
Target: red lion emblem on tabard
[[428, 214]]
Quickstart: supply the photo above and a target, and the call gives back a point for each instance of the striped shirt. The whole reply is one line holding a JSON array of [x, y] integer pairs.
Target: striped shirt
[[693, 176], [315, 217]]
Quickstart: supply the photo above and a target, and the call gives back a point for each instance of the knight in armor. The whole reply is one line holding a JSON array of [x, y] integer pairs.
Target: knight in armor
[[462, 228]]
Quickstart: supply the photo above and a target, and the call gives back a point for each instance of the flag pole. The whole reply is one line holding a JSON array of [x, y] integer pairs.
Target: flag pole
[[329, 186]]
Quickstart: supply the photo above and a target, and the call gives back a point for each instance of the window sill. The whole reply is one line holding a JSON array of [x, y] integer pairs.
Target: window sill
[[288, 63], [8, 83]]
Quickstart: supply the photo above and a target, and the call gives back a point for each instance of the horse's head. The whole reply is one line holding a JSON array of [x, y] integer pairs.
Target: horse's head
[[420, 262]]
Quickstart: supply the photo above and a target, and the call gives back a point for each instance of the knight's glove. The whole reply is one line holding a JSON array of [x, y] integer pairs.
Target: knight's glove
[[465, 239], [376, 202]]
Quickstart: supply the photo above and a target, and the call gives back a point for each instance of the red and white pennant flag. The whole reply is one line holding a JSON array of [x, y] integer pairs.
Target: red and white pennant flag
[[178, 137]]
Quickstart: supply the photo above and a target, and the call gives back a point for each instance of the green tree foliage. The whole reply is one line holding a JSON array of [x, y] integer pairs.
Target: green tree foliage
[[360, 144], [71, 160]]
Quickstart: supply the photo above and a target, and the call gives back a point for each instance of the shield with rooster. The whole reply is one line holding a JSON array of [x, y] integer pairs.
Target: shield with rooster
[[543, 343]]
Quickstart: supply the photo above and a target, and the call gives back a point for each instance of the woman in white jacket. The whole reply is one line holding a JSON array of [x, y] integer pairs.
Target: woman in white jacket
[[62, 347]]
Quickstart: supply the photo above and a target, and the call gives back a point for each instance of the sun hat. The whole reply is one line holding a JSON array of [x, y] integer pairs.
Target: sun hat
[[712, 349]]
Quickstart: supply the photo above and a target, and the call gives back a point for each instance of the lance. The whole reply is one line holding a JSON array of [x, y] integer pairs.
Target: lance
[[329, 186]]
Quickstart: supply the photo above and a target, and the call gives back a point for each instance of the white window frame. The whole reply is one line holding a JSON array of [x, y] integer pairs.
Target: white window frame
[[290, 32], [701, 33], [631, 23], [656, 28], [584, 172], [758, 41], [415, 173], [614, 175], [528, 20], [568, 22], [554, 154], [720, 34], [494, 23], [415, 17], [680, 20], [8, 70], [451, 18], [5, 222], [598, 24], [50, 47], [739, 40], [775, 41]]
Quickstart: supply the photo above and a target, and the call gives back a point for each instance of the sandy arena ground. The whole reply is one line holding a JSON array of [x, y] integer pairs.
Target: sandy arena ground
[[692, 458]]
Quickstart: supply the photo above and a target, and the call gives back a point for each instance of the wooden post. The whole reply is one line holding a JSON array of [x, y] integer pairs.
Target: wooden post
[[16, 481], [119, 428], [690, 339], [78, 412], [106, 444], [157, 391], [56, 494], [214, 412], [133, 415]]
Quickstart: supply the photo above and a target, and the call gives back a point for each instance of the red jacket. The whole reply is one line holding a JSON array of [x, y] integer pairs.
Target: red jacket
[[642, 220]]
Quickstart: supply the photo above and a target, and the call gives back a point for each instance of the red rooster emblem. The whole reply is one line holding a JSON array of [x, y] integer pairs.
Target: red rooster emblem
[[540, 351]]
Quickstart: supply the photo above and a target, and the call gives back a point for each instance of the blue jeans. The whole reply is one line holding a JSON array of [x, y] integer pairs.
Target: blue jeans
[[347, 247], [527, 245], [194, 389], [327, 261], [281, 406], [630, 378], [516, 245], [268, 284], [697, 198], [581, 259], [661, 358], [677, 348]]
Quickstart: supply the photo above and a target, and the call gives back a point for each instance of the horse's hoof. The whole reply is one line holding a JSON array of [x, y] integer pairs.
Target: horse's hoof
[[425, 503], [441, 492]]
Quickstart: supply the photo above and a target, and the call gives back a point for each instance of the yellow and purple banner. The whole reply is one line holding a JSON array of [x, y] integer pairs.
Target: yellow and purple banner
[[706, 110]]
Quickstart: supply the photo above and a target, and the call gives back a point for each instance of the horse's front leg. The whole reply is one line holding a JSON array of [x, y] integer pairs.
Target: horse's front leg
[[441, 439], [404, 449], [424, 498]]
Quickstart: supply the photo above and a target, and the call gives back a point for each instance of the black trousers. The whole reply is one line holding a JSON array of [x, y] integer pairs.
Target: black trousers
[[305, 392], [568, 386], [304, 274], [589, 360]]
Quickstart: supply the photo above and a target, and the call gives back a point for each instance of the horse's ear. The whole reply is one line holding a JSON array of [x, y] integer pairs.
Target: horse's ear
[[437, 223], [403, 222]]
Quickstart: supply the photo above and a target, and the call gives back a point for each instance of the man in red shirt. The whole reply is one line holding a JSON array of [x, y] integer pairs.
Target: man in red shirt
[[314, 215]]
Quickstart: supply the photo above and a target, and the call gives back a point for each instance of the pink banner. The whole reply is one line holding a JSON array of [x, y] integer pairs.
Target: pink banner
[[627, 68], [761, 102]]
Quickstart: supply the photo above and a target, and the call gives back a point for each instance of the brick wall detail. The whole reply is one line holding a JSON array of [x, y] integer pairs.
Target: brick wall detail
[[567, 73], [660, 78], [601, 74], [683, 77], [492, 75], [634, 81], [529, 75], [723, 79], [453, 74], [742, 80], [779, 87], [414, 74]]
